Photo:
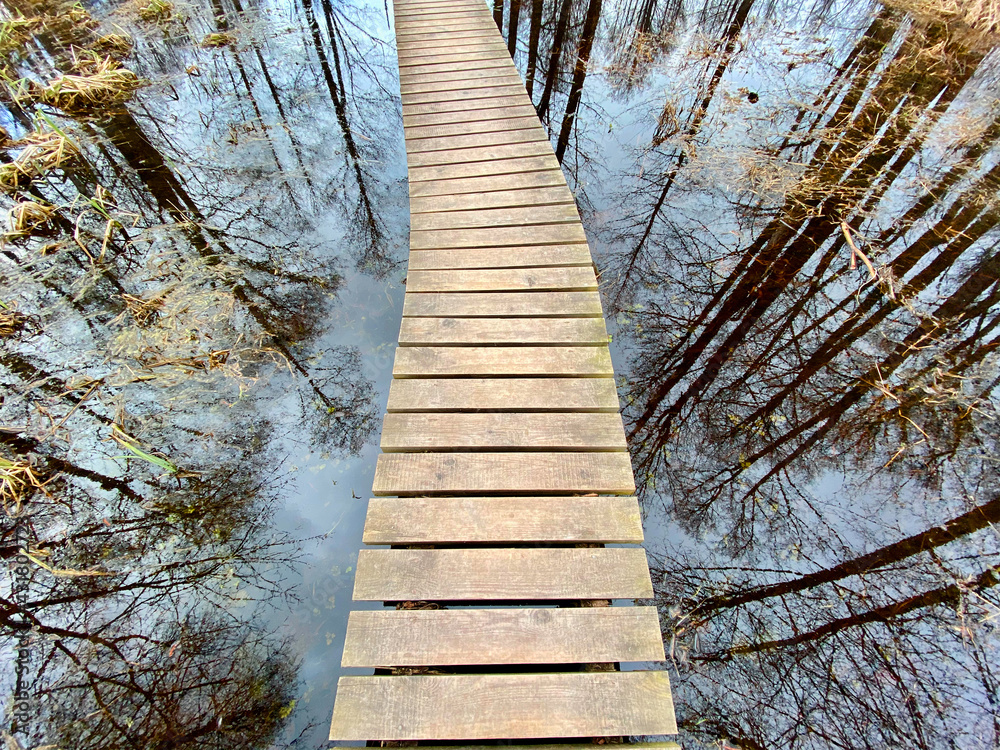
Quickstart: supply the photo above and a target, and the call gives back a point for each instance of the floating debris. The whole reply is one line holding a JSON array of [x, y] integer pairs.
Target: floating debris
[[115, 46], [42, 151], [218, 39], [28, 218]]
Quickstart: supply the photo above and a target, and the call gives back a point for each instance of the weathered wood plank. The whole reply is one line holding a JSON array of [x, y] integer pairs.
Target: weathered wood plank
[[501, 257], [428, 73], [520, 216], [472, 331], [415, 133], [484, 169], [478, 154], [465, 95], [488, 183], [494, 361], [503, 394], [431, 37], [456, 69], [465, 84], [463, 105], [545, 196], [452, 51], [502, 574], [484, 52], [502, 431], [407, 27], [498, 138], [472, 707], [502, 636], [506, 473], [511, 520], [569, 278], [482, 520], [478, 115], [502, 304], [542, 234]]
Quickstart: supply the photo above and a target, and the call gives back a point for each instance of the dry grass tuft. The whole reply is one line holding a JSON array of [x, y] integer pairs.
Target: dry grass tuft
[[104, 85], [41, 152], [156, 11], [143, 311], [219, 39], [978, 19], [18, 481], [15, 33], [115, 46], [27, 218]]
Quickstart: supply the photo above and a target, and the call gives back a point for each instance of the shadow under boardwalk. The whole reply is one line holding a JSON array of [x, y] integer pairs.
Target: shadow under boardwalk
[[504, 470]]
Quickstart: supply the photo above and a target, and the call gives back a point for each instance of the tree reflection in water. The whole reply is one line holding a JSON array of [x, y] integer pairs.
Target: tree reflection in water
[[173, 341], [815, 439]]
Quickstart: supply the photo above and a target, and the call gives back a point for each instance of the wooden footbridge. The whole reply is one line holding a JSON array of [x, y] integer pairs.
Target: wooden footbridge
[[504, 472]]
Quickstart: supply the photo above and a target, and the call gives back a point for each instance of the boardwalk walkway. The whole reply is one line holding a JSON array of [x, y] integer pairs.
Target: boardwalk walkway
[[504, 470]]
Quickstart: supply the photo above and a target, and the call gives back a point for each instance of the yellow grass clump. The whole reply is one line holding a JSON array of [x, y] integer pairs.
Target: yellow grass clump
[[115, 46], [104, 85], [221, 39], [155, 11], [18, 481], [41, 152], [26, 218], [978, 19]]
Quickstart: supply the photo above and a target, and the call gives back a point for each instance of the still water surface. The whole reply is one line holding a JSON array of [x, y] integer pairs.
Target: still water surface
[[793, 207]]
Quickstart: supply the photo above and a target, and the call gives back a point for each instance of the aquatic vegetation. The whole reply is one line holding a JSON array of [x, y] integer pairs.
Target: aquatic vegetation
[[104, 85], [14, 34], [19, 480], [28, 218], [115, 46], [218, 39], [40, 152], [155, 11]]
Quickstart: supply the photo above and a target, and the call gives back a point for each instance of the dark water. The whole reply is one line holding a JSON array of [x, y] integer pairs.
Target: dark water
[[202, 293]]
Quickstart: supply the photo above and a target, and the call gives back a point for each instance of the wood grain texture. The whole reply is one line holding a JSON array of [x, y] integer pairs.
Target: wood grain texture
[[537, 147], [463, 105], [552, 256], [454, 69], [491, 520], [500, 138], [413, 638], [478, 114], [519, 216], [503, 394], [472, 707], [479, 331], [429, 85], [503, 574], [416, 76], [571, 278], [488, 183], [463, 96], [502, 431], [493, 361], [540, 234], [502, 304], [530, 197], [503, 473]]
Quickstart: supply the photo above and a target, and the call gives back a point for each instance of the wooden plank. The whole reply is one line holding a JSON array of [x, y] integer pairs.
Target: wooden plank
[[501, 257], [488, 183], [503, 394], [502, 574], [432, 86], [543, 234], [545, 196], [498, 361], [484, 169], [500, 138], [477, 115], [570, 278], [503, 473], [464, 95], [502, 304], [458, 69], [410, 27], [486, 706], [502, 431], [463, 105], [415, 638], [415, 133], [567, 746], [448, 73], [470, 331], [484, 52], [478, 154], [521, 216], [426, 54], [510, 520], [422, 38]]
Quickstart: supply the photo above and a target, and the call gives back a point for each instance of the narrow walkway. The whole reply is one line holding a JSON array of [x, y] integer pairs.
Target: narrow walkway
[[504, 470]]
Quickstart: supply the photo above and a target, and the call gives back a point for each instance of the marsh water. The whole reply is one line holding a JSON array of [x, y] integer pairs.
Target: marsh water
[[793, 207]]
